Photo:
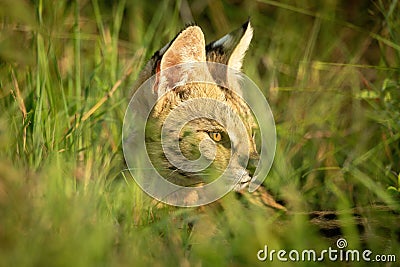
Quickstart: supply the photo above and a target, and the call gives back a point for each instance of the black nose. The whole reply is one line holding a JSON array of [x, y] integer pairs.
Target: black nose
[[252, 166]]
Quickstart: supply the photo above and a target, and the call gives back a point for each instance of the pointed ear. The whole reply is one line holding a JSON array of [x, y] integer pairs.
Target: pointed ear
[[188, 46], [231, 48]]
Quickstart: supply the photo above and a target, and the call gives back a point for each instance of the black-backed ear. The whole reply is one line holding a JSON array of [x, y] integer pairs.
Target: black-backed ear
[[231, 49]]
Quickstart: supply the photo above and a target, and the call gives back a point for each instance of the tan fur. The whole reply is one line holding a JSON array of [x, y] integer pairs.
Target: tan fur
[[189, 46], [198, 130]]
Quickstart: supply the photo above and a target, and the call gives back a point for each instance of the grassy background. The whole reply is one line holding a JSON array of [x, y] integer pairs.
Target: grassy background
[[329, 70]]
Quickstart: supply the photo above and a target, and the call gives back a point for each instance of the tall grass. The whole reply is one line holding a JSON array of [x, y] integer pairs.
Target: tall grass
[[330, 70]]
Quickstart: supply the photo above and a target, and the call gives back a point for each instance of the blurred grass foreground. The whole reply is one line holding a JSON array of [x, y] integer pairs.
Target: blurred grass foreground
[[329, 69]]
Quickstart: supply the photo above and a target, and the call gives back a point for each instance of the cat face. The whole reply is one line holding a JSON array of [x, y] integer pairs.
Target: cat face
[[190, 108]]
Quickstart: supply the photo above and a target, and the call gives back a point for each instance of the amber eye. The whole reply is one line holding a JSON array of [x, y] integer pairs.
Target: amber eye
[[216, 136]]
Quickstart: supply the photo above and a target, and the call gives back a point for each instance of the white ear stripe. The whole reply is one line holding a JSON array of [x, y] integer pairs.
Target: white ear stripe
[[223, 41]]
